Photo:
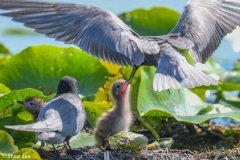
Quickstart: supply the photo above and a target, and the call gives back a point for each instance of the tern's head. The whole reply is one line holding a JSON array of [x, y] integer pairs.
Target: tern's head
[[67, 84]]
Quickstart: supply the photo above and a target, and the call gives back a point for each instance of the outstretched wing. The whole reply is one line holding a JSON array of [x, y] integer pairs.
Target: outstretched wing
[[94, 30], [205, 23]]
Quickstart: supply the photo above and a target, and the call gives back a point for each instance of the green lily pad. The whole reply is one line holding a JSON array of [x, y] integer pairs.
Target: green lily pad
[[41, 67], [13, 113], [27, 153], [4, 50], [18, 32], [232, 77], [6, 143], [128, 140], [82, 139], [4, 89], [8, 101], [151, 22], [183, 105]]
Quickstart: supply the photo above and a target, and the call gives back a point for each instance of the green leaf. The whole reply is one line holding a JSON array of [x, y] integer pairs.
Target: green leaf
[[156, 21], [13, 113], [82, 139], [172, 101], [231, 99], [27, 153], [229, 86], [236, 66], [41, 67], [18, 32], [128, 140], [4, 89], [4, 50], [21, 138], [212, 67], [183, 105], [161, 143], [205, 110], [8, 101], [4, 53], [6, 143], [232, 77]]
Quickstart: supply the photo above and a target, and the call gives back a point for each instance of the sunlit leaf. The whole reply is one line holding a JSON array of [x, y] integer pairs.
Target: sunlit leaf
[[41, 67], [4, 89], [27, 153]]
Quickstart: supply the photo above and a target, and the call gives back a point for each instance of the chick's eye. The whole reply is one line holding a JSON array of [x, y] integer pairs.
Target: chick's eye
[[31, 103], [118, 86]]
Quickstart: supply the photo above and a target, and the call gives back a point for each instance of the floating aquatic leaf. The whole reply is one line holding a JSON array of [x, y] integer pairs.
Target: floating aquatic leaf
[[41, 67], [27, 153], [150, 22], [6, 143], [183, 105]]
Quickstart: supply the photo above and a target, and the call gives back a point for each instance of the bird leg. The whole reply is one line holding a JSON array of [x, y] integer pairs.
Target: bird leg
[[54, 148], [66, 144], [168, 90], [133, 73], [106, 145], [42, 144], [106, 155], [107, 149]]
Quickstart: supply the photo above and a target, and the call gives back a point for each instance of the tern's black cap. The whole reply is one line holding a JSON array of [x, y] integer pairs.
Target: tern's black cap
[[67, 84]]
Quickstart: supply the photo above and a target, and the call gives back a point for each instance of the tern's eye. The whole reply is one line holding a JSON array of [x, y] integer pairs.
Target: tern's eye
[[31, 103]]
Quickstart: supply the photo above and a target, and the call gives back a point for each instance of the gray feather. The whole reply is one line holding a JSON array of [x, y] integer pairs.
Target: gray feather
[[92, 29], [174, 72], [34, 127], [200, 29], [205, 23]]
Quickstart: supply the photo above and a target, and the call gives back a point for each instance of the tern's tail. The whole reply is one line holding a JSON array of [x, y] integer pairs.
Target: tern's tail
[[174, 72], [34, 127]]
